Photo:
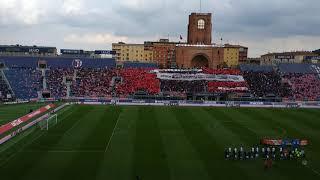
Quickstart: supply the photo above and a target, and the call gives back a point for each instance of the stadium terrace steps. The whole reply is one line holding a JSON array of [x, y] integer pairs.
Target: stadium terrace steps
[[25, 82]]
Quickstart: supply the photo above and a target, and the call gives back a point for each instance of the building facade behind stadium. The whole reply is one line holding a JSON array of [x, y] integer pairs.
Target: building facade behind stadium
[[198, 51], [290, 57]]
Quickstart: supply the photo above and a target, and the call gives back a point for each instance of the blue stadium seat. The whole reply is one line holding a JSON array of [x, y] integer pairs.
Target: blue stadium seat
[[57, 62], [298, 68], [255, 68], [25, 82]]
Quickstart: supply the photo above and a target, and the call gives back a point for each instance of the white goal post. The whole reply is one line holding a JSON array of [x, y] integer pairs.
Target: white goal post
[[48, 122]]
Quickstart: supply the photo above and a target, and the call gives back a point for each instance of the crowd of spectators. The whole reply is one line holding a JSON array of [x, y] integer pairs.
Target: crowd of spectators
[[137, 79], [219, 86], [93, 83], [55, 82], [303, 86], [222, 71], [183, 87], [263, 84]]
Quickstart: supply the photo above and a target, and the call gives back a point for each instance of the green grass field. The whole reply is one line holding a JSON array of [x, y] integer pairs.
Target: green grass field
[[158, 143]]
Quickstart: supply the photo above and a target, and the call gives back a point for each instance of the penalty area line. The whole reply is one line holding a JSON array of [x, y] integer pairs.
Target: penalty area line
[[114, 129], [315, 171]]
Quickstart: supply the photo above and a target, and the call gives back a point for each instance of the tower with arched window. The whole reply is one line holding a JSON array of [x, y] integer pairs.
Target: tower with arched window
[[200, 29]]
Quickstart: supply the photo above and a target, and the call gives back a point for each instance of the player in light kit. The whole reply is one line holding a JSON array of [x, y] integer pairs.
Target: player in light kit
[[235, 153], [241, 153], [257, 152]]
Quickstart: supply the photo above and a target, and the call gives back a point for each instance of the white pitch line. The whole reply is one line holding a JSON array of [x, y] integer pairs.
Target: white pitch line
[[14, 154], [15, 142], [315, 171], [114, 129], [25, 145]]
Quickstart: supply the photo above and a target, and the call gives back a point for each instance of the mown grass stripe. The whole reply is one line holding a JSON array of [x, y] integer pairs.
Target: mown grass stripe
[[149, 156], [205, 145], [182, 158]]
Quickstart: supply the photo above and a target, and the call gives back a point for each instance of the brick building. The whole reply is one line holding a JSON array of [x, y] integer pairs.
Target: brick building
[[243, 54], [163, 52], [200, 28], [196, 56], [199, 51]]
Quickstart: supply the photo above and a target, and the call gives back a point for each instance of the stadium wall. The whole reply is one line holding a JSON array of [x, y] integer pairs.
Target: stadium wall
[[131, 102]]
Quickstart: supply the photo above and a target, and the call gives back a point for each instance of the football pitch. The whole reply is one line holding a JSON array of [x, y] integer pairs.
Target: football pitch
[[157, 143]]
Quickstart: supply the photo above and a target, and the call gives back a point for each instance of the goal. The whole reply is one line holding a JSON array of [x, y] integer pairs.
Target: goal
[[51, 121]]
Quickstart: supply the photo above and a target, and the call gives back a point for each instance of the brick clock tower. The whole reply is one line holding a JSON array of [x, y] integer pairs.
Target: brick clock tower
[[199, 51], [200, 29]]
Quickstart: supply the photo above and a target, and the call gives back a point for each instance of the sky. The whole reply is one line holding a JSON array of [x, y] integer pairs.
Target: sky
[[263, 26]]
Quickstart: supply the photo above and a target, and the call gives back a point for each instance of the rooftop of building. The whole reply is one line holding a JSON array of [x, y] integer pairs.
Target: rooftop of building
[[234, 46], [127, 44], [34, 46], [292, 53]]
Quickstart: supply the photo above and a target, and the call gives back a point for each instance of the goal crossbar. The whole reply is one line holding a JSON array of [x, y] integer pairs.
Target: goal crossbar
[[45, 124]]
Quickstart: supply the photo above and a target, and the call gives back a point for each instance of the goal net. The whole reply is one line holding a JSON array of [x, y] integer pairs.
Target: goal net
[[51, 121]]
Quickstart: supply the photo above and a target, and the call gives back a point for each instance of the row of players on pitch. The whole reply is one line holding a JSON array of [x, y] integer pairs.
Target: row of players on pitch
[[281, 153]]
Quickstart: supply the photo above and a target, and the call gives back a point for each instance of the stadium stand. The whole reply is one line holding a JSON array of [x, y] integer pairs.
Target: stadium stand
[[181, 88], [304, 86], [139, 65], [298, 68], [4, 89], [99, 78], [262, 84], [255, 68], [55, 81], [25, 81], [93, 82], [58, 62], [221, 71], [216, 86], [137, 80]]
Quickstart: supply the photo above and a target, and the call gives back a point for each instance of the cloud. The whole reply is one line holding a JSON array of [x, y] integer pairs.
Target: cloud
[[73, 7], [21, 12], [292, 43], [261, 25], [98, 38]]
